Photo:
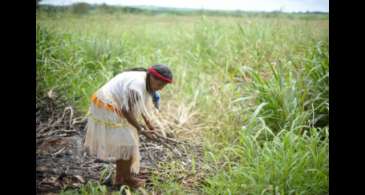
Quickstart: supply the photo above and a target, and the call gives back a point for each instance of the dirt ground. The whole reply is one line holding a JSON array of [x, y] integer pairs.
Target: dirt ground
[[62, 163]]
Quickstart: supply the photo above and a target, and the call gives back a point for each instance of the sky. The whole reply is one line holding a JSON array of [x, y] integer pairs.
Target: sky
[[246, 5]]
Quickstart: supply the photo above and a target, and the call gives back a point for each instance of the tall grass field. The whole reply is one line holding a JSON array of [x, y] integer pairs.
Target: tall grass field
[[256, 86]]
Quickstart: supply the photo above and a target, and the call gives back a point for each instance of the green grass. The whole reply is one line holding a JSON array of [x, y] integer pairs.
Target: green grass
[[95, 188], [289, 164], [260, 84]]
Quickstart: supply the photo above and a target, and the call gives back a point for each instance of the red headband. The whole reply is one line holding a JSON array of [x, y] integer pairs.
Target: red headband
[[158, 75]]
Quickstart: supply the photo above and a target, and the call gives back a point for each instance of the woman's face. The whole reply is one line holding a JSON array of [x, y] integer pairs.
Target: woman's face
[[156, 84]]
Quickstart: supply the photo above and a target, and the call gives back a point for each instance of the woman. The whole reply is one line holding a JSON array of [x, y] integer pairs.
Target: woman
[[112, 128]]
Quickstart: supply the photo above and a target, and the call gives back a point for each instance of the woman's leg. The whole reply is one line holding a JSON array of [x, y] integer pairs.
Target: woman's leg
[[130, 179], [121, 166], [125, 176]]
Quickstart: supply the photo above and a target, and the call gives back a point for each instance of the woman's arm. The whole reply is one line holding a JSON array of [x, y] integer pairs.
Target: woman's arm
[[131, 119], [128, 114], [147, 122]]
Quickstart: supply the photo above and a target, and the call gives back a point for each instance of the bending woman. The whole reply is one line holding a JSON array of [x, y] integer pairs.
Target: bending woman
[[112, 127]]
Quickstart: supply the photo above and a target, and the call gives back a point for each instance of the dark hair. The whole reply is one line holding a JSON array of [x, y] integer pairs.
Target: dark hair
[[136, 69], [163, 70]]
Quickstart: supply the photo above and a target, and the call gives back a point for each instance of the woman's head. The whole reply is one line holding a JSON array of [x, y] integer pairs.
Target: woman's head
[[160, 75]]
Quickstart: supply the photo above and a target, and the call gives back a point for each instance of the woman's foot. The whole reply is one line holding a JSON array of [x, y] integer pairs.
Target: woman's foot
[[134, 182], [124, 175]]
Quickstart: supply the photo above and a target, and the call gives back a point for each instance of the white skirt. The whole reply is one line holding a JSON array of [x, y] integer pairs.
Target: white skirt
[[111, 137]]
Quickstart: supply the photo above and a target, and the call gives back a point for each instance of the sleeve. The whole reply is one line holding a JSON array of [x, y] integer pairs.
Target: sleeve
[[134, 99]]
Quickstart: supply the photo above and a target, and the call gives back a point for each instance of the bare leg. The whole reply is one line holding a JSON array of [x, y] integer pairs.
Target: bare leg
[[119, 179], [124, 175]]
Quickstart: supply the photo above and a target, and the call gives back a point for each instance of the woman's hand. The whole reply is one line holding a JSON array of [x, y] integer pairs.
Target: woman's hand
[[150, 127], [148, 123], [151, 134], [141, 128]]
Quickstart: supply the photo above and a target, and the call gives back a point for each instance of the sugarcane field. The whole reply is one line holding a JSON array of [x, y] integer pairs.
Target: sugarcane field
[[152, 100]]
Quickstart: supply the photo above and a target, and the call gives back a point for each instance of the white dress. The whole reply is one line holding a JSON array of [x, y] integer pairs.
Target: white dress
[[109, 136]]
